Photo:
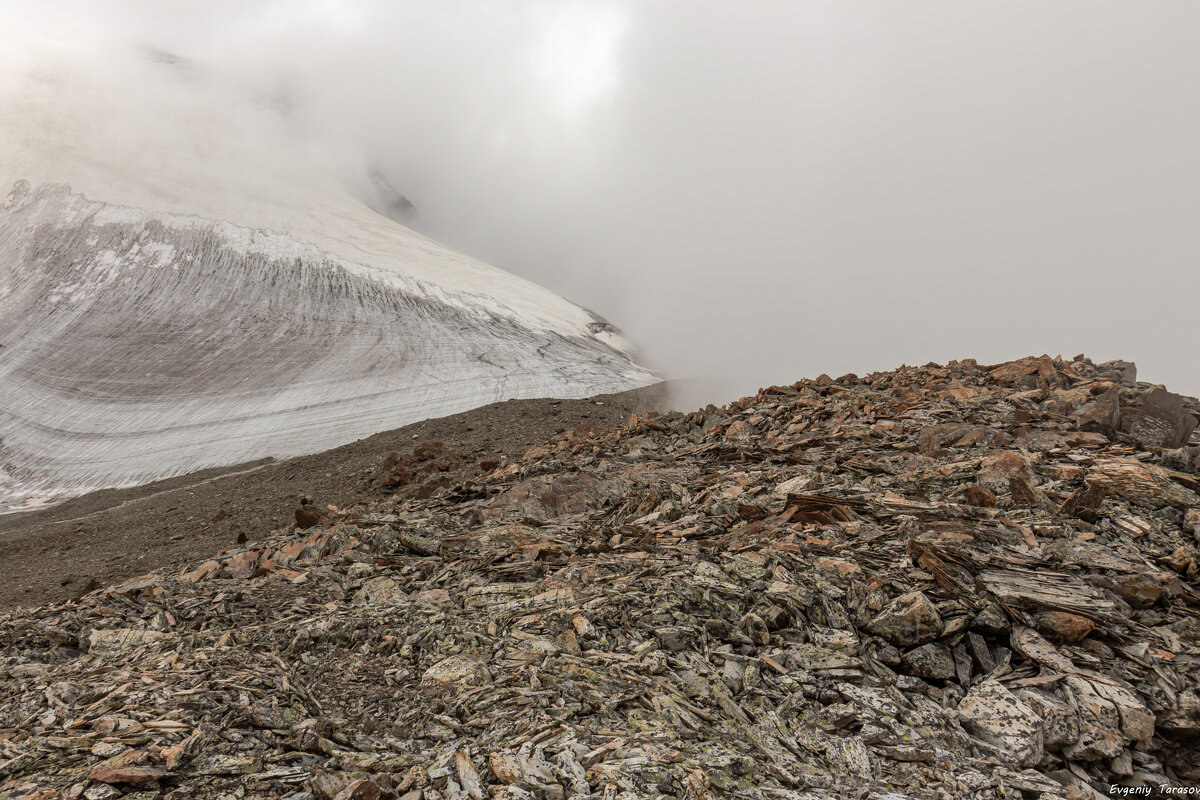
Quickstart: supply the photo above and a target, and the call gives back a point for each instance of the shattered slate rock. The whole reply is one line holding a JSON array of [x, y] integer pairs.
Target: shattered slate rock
[[957, 581], [675, 638], [997, 716], [1161, 421], [455, 674], [1141, 484], [1101, 415]]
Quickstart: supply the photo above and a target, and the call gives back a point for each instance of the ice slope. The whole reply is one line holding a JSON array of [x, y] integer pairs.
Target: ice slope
[[176, 294]]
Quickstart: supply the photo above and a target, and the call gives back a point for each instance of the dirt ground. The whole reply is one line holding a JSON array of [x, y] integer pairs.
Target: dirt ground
[[104, 537]]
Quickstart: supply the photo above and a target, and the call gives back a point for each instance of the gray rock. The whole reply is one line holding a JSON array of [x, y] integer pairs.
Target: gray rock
[[675, 638], [454, 673], [999, 718], [991, 619], [932, 660], [908, 620], [1060, 722]]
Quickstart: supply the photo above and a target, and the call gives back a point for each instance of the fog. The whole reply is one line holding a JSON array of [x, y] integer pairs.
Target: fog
[[763, 191]]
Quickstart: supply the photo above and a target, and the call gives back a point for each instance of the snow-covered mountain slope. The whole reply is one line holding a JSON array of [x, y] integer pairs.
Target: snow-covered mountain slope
[[176, 293]]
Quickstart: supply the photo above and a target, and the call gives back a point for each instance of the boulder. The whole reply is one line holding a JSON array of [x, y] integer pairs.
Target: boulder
[[908, 620], [1162, 421], [929, 661], [999, 718]]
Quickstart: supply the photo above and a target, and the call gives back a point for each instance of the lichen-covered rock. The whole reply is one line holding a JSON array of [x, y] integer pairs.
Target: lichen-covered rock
[[908, 620], [382, 590], [929, 661], [1060, 721], [454, 673], [1114, 705], [999, 718]]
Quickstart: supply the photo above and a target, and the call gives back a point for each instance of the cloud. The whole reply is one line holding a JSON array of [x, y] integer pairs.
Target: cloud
[[765, 191]]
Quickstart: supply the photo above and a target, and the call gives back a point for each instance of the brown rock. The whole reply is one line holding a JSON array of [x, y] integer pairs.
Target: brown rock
[[1083, 503], [397, 476], [737, 430], [244, 565], [1140, 483], [1063, 626], [1102, 415], [304, 551], [977, 495], [1140, 590], [1162, 421], [106, 774], [205, 570], [128, 767], [997, 470], [308, 517], [1011, 372], [141, 584], [1023, 494], [1085, 439]]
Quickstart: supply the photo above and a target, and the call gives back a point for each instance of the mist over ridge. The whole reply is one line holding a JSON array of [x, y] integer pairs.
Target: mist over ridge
[[763, 192]]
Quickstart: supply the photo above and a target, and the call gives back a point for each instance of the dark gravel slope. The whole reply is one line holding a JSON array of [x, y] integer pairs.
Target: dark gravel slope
[[103, 537]]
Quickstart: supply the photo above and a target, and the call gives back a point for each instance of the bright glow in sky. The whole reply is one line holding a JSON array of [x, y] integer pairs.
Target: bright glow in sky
[[576, 55]]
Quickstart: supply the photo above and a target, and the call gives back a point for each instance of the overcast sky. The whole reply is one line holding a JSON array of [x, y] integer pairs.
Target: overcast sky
[[764, 190]]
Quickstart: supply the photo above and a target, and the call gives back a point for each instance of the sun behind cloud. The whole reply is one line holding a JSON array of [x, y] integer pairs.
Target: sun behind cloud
[[576, 58]]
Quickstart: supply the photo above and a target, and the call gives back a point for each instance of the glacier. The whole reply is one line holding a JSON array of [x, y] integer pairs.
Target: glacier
[[163, 311]]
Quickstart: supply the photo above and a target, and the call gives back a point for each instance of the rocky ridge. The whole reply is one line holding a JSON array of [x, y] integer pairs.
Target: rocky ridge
[[957, 581]]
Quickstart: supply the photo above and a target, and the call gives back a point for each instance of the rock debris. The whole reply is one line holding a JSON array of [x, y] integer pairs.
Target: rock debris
[[949, 581]]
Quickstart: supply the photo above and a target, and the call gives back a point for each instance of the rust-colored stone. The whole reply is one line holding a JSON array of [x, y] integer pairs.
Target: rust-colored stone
[[1063, 626]]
